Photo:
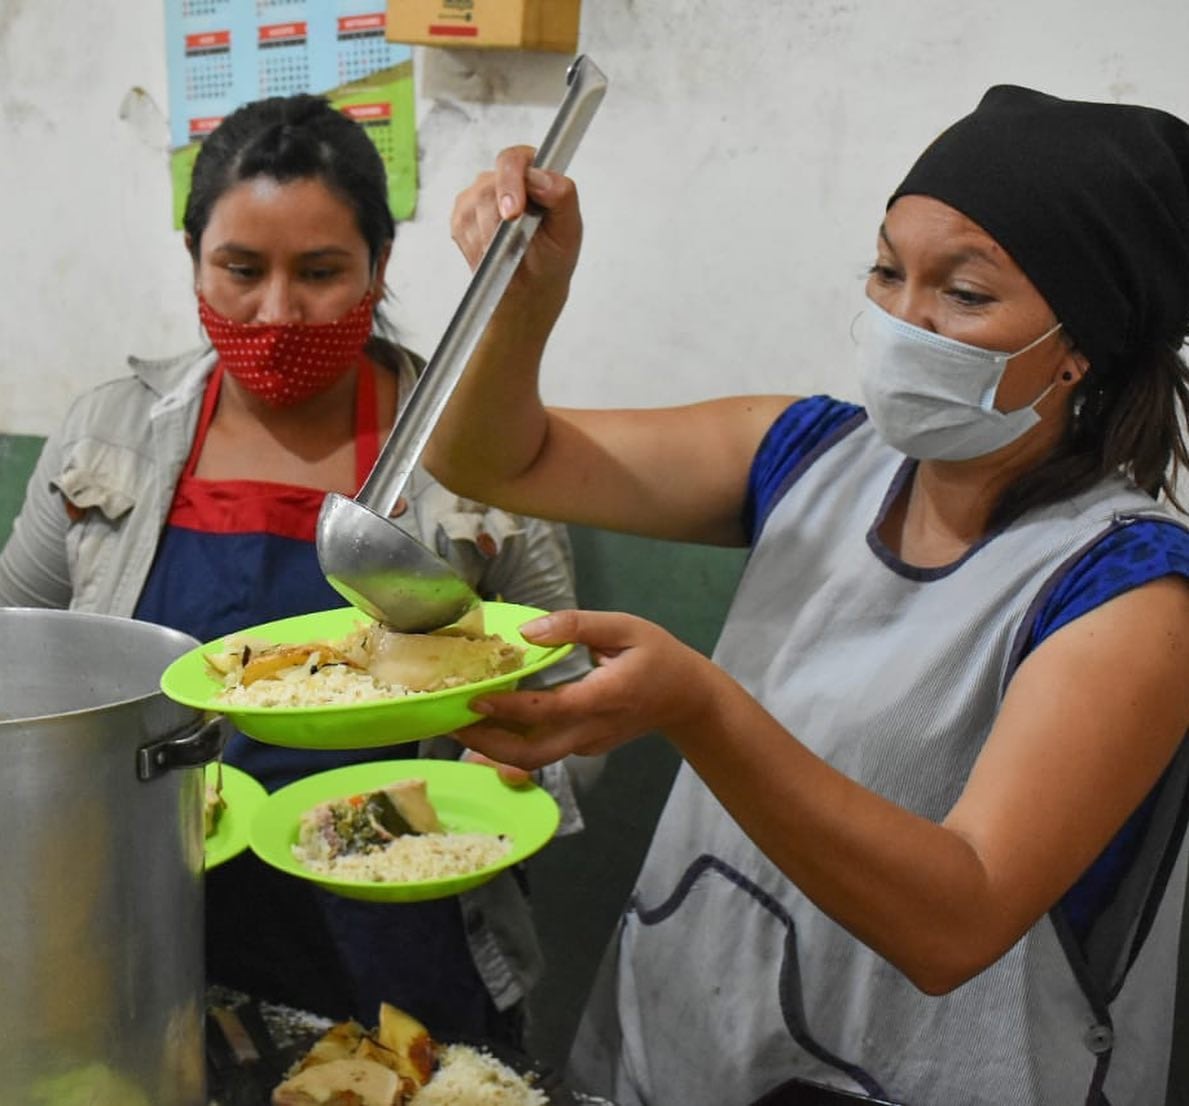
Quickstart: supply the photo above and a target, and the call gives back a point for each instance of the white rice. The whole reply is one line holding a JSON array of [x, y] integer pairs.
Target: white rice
[[412, 858], [468, 1077], [299, 687]]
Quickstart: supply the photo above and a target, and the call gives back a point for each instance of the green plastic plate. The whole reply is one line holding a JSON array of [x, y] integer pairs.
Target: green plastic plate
[[469, 798], [243, 796], [354, 725]]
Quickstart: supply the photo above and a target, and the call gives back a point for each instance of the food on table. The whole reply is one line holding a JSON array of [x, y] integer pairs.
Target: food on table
[[466, 1076], [384, 1068], [213, 803], [342, 1083], [408, 1042], [400, 1065], [392, 834], [372, 662], [339, 1042]]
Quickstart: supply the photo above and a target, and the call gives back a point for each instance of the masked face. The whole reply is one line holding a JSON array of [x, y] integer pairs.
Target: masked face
[[956, 347], [286, 287], [291, 362], [932, 397]]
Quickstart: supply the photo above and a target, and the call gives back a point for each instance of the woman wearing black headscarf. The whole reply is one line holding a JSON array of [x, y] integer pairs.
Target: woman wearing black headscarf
[[927, 845]]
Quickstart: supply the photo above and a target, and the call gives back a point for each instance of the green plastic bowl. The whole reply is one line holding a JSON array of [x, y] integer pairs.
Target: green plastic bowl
[[243, 796], [354, 725], [469, 798]]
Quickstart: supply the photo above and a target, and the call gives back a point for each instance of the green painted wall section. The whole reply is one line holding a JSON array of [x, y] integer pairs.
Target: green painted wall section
[[685, 588], [18, 455]]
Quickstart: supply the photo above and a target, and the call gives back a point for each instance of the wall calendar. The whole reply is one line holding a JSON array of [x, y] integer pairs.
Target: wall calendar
[[223, 53]]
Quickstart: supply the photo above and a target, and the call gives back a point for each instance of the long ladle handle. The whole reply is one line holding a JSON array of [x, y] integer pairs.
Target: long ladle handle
[[586, 85]]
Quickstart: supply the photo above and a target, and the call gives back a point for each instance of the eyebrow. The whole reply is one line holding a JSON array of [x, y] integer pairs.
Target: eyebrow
[[309, 255], [970, 253]]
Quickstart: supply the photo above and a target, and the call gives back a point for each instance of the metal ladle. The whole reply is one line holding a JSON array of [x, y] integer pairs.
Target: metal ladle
[[366, 557]]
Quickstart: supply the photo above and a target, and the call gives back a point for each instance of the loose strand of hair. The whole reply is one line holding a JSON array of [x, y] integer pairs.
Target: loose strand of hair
[[1131, 422]]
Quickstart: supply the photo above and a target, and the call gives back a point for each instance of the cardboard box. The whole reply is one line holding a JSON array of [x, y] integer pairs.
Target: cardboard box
[[493, 24]]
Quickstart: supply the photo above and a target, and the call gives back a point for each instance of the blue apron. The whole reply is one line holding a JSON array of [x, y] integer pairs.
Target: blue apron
[[236, 553]]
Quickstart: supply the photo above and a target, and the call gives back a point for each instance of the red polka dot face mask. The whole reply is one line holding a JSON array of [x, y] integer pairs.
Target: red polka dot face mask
[[289, 362]]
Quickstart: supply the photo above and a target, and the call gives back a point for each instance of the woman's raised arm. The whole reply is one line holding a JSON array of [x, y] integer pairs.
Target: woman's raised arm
[[678, 473]]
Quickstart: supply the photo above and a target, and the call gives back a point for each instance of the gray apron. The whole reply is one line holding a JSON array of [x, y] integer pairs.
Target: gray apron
[[724, 981]]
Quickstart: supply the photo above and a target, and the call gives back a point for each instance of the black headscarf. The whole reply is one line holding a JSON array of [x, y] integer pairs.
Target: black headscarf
[[1090, 200]]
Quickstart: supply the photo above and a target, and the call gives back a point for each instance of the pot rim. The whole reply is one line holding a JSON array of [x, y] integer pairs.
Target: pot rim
[[175, 639]]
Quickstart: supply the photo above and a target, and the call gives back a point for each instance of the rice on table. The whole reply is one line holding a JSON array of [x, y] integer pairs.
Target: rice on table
[[391, 835], [372, 662], [469, 1077]]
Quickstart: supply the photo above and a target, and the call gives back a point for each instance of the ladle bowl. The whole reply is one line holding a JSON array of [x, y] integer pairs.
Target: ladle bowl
[[366, 557], [387, 573]]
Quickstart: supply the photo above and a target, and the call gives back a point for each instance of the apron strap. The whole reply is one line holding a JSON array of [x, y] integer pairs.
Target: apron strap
[[210, 400], [367, 418]]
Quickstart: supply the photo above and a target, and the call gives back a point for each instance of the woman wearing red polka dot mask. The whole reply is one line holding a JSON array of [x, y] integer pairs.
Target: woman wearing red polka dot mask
[[221, 459], [290, 238]]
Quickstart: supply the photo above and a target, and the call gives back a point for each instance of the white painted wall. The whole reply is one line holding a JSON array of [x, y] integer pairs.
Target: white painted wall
[[732, 182]]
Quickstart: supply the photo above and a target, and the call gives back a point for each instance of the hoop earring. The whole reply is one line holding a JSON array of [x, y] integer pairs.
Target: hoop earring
[[853, 323]]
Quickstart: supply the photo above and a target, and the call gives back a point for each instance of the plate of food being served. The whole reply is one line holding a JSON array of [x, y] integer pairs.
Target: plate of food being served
[[232, 798], [339, 680], [402, 830]]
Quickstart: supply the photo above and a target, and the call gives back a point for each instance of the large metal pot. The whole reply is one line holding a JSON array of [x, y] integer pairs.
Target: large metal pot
[[101, 843]]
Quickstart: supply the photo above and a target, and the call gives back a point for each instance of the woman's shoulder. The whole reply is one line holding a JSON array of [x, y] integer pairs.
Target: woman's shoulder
[[800, 433], [119, 414], [167, 376], [145, 378], [440, 510], [1133, 551], [391, 355]]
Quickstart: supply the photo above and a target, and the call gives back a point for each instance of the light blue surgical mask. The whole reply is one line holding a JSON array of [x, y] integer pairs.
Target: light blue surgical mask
[[932, 397]]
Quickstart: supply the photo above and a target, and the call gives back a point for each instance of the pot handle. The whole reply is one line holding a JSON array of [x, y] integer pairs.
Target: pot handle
[[188, 748]]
